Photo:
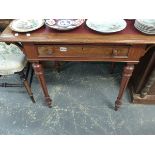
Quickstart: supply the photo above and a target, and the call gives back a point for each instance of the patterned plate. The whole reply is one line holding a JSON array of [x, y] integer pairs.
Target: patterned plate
[[106, 26], [27, 25], [64, 24]]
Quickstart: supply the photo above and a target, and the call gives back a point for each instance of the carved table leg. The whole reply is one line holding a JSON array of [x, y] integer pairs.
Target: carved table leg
[[127, 72], [40, 75]]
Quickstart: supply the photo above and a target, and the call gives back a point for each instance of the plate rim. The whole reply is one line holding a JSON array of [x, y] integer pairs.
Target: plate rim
[[144, 32], [13, 29], [141, 22], [50, 26], [107, 32]]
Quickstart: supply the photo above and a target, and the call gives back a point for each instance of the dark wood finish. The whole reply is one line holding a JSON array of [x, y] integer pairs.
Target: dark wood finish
[[4, 23], [40, 75], [147, 87], [31, 76], [142, 84], [127, 72], [30, 72], [83, 44], [81, 35], [26, 85], [82, 51], [5, 84]]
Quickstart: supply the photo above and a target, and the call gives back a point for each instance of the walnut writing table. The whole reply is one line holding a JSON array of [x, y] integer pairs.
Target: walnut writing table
[[82, 44]]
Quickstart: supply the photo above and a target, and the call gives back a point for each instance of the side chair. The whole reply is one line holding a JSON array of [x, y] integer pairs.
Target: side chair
[[13, 61]]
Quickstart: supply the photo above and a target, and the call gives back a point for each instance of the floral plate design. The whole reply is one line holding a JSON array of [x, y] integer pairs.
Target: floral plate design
[[26, 25], [64, 24], [106, 26]]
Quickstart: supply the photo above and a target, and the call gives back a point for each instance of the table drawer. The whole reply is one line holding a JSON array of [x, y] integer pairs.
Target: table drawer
[[83, 51], [106, 51], [60, 51]]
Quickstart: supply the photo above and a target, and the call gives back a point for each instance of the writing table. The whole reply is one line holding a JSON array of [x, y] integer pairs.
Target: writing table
[[82, 44]]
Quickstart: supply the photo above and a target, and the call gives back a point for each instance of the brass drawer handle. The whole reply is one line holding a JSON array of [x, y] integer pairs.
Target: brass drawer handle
[[114, 52]]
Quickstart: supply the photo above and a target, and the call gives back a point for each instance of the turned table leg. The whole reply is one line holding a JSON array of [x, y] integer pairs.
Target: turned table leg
[[40, 75], [127, 72]]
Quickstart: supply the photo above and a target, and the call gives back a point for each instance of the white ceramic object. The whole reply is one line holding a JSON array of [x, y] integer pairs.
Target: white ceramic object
[[26, 25], [146, 26], [106, 26]]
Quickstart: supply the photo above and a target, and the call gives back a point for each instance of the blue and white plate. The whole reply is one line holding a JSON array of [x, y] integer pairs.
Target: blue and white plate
[[64, 24]]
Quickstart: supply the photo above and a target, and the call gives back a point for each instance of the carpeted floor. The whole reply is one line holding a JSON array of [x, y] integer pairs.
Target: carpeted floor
[[83, 103]]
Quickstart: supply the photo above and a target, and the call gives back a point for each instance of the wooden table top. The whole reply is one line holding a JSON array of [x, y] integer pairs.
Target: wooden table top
[[80, 35]]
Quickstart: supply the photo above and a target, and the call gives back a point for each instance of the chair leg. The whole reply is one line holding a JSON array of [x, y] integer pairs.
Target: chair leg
[[10, 85], [31, 76], [29, 68], [27, 71], [27, 86]]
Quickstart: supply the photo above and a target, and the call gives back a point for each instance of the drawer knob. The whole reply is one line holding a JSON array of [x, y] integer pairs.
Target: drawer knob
[[115, 52]]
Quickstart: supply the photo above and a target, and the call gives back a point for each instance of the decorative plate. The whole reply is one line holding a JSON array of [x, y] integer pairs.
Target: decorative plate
[[64, 24], [146, 26], [146, 22], [106, 26], [26, 25]]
